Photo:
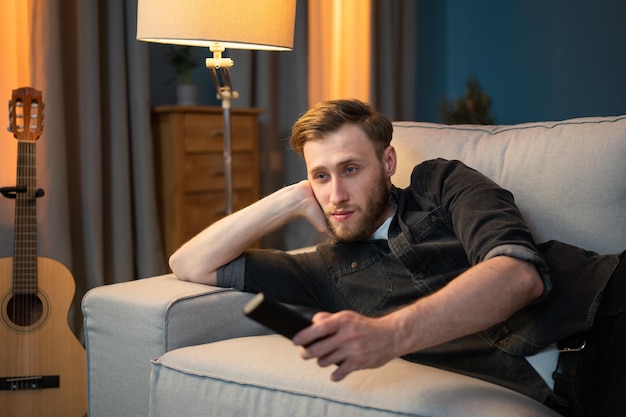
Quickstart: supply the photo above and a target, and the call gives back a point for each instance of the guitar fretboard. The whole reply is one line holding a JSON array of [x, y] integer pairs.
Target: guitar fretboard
[[25, 236]]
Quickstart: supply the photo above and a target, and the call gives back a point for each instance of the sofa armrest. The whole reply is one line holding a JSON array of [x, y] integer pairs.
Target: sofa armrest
[[128, 324]]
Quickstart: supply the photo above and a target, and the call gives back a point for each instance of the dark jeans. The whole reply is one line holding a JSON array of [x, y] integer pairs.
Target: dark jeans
[[601, 380]]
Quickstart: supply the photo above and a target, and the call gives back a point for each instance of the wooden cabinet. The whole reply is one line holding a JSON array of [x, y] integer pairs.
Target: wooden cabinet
[[189, 152]]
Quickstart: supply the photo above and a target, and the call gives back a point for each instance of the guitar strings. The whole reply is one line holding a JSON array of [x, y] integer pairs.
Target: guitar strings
[[25, 296]]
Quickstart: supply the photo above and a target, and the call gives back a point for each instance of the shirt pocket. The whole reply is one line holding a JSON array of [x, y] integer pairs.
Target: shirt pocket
[[363, 281], [433, 247]]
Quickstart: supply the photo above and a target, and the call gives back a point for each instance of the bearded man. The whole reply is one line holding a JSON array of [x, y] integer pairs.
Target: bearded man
[[444, 272]]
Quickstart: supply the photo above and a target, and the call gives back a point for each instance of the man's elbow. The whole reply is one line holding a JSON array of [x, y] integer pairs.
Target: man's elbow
[[175, 263], [533, 283], [186, 271]]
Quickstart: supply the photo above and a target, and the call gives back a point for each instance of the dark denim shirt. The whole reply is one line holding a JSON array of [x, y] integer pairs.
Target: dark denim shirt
[[450, 218]]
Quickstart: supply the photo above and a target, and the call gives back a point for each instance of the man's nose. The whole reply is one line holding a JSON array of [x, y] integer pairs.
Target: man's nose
[[338, 194]]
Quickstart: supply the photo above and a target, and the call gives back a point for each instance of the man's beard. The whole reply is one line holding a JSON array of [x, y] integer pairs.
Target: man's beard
[[364, 228]]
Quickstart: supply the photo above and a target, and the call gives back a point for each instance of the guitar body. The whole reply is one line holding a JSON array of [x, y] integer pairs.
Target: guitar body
[[43, 366], [41, 346]]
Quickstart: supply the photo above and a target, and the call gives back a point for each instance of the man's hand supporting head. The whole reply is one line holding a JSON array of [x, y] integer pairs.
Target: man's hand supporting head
[[199, 258]]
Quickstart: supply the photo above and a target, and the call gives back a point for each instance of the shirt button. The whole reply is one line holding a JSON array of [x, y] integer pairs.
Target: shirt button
[[354, 264], [502, 342], [434, 218]]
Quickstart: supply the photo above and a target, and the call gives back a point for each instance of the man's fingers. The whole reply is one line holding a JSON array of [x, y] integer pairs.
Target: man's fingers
[[321, 316], [312, 334], [343, 370]]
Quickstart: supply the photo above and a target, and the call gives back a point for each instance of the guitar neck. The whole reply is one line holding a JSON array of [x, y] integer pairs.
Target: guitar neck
[[25, 236], [26, 123]]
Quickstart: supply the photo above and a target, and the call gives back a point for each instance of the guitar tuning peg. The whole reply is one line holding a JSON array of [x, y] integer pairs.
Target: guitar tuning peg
[[10, 127], [42, 116], [34, 116]]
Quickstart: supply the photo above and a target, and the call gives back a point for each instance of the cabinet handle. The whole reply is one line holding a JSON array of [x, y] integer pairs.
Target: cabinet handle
[[218, 172], [217, 132], [219, 212]]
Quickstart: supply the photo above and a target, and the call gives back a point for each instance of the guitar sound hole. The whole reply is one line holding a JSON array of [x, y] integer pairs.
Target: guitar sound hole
[[24, 309]]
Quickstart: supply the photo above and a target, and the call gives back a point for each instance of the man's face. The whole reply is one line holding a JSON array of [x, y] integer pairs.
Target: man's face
[[350, 182]]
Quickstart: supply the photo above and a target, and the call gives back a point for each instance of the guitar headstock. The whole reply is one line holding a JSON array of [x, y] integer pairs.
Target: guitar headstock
[[26, 114]]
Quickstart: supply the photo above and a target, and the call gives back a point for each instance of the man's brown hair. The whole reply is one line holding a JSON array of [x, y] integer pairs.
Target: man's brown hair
[[329, 116]]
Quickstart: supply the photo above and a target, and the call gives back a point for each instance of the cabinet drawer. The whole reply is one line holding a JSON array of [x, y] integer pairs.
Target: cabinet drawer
[[189, 144], [201, 210], [206, 171], [205, 133]]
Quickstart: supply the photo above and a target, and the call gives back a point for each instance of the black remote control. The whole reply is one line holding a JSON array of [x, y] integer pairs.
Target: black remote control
[[275, 316]]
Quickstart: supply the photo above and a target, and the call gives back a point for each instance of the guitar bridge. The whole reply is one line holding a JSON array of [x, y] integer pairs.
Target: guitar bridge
[[20, 383]]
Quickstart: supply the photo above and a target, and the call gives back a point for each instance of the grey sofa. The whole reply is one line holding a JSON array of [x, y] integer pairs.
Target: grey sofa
[[162, 347]]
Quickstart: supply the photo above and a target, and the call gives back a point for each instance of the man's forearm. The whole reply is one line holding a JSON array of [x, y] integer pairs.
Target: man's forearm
[[483, 296], [199, 258], [486, 294]]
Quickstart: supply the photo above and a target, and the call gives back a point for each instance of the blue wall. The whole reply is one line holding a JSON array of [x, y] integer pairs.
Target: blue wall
[[537, 59]]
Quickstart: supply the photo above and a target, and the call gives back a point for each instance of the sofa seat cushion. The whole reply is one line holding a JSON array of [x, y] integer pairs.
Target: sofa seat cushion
[[224, 378]]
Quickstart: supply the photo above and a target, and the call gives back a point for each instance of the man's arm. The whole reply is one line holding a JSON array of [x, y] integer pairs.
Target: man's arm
[[483, 296], [199, 258]]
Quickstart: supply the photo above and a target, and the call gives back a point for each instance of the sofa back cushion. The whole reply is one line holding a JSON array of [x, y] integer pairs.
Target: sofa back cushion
[[568, 177]]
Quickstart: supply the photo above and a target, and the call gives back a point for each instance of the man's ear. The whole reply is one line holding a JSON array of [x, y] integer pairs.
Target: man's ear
[[390, 160]]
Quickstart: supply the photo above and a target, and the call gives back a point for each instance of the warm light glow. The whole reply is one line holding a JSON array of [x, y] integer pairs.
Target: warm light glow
[[339, 50], [239, 24], [15, 72]]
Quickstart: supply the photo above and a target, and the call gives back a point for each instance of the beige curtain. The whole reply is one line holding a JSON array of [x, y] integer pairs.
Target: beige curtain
[[94, 160], [394, 57], [339, 50], [14, 72], [364, 49]]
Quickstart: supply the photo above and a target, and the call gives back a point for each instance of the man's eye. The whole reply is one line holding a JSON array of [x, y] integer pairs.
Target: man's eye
[[320, 176], [351, 170]]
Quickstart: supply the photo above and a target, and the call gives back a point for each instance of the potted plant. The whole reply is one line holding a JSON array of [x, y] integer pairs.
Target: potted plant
[[183, 61], [473, 108]]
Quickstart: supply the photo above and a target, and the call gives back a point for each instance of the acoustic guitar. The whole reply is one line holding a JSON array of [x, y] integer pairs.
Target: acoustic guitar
[[42, 363]]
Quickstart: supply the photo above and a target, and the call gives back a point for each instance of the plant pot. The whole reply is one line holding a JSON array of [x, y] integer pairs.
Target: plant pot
[[187, 95]]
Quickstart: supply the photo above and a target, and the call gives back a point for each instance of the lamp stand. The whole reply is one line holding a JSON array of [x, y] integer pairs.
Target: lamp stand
[[225, 93]]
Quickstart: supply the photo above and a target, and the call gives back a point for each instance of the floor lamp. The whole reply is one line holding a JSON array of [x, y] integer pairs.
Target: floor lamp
[[219, 24]]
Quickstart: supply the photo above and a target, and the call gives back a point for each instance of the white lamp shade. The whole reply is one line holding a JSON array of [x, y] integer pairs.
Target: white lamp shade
[[239, 24]]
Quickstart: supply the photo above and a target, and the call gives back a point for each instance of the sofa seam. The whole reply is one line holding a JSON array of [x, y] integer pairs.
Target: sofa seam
[[185, 371], [496, 129]]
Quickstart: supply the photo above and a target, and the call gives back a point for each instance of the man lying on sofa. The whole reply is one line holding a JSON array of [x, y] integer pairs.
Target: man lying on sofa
[[444, 273]]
